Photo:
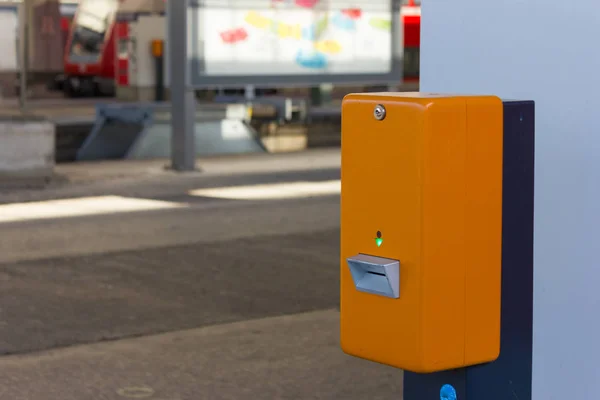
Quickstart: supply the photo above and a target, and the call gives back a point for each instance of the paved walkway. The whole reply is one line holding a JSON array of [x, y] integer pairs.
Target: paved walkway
[[187, 297], [289, 357], [88, 178]]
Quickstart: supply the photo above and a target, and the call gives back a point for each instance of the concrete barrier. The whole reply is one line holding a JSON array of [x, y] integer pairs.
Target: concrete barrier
[[27, 146]]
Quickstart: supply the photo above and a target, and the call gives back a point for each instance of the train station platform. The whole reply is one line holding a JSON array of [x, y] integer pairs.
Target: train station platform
[[130, 281], [88, 130], [100, 129], [127, 176], [284, 357]]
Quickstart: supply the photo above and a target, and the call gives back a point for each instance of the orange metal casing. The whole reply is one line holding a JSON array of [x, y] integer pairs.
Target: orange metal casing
[[429, 177]]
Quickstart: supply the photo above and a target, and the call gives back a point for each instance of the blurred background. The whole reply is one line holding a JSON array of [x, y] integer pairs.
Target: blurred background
[[123, 278]]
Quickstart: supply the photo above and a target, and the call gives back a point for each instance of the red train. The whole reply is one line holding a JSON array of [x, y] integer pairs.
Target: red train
[[89, 58], [411, 17]]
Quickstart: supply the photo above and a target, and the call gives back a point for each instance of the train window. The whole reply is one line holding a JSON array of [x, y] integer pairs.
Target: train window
[[86, 42], [122, 50], [91, 24]]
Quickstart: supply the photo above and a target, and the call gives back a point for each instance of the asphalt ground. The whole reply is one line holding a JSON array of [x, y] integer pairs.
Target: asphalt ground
[[197, 298]]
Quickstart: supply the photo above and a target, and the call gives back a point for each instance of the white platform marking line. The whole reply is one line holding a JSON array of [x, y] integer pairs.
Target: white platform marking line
[[285, 190], [84, 206]]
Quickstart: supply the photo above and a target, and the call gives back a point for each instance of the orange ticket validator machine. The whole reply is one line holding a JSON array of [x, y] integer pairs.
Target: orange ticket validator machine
[[421, 229], [436, 261]]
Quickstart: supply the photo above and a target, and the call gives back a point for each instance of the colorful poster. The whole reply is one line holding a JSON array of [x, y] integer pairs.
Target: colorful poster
[[290, 37]]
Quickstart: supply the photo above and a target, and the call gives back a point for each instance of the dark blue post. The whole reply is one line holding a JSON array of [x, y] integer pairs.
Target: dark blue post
[[509, 377]]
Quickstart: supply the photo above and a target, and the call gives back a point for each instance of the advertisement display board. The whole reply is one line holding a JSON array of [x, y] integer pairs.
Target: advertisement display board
[[294, 42]]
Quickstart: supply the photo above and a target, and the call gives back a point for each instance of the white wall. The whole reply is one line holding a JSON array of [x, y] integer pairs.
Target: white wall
[[547, 51], [9, 25], [146, 29]]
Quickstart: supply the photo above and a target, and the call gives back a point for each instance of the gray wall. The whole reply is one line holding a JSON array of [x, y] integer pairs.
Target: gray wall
[[543, 50]]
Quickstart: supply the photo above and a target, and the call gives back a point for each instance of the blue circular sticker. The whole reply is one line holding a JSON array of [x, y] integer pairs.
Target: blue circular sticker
[[447, 392]]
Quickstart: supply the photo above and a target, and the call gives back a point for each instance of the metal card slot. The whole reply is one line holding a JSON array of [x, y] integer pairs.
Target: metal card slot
[[375, 275]]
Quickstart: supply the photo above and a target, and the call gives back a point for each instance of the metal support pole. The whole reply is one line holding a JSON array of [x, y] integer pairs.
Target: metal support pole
[[250, 93], [183, 101], [160, 79], [316, 97], [24, 59]]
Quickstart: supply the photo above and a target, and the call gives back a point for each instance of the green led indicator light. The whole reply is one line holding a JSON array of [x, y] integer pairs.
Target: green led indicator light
[[378, 239]]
